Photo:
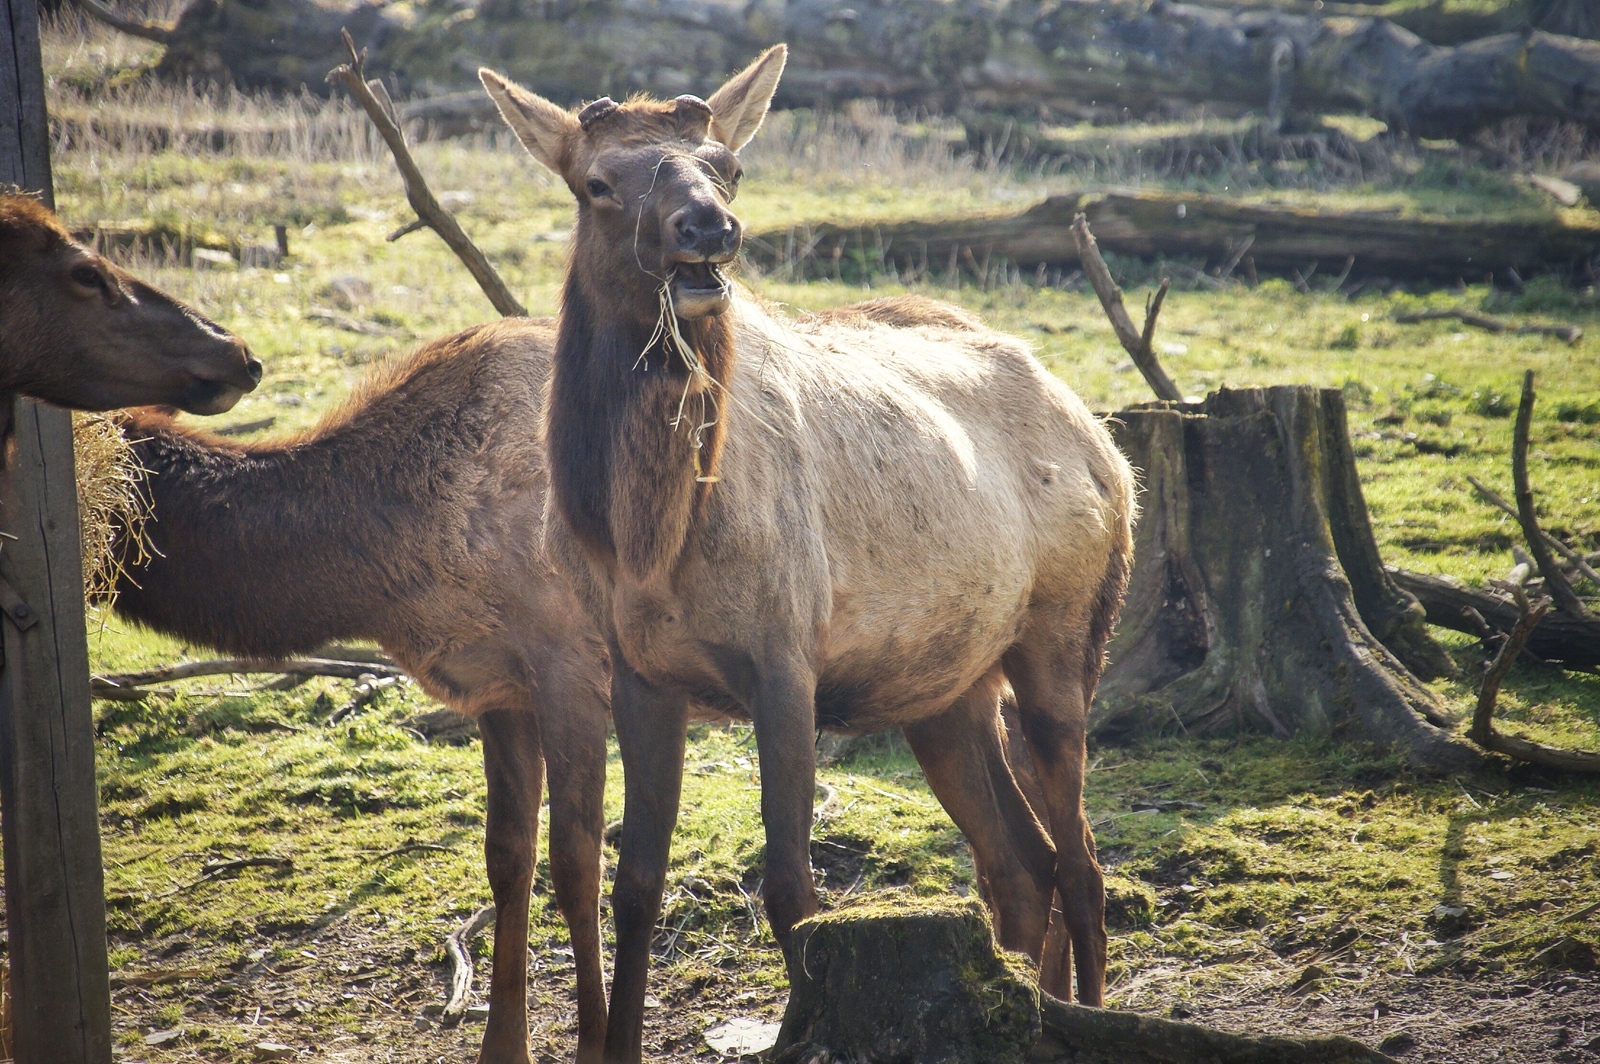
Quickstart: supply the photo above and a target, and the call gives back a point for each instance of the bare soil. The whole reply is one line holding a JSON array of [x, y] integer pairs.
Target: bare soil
[[344, 994]]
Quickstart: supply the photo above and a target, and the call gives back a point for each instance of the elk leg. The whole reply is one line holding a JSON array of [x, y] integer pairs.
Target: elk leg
[[574, 726], [784, 713], [1055, 966], [651, 730], [514, 768], [959, 751], [1047, 671]]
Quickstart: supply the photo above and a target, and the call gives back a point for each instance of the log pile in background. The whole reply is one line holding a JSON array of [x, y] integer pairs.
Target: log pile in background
[[928, 53]]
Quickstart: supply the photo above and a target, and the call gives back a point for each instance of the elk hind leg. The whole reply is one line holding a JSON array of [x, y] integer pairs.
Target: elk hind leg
[[962, 755], [1047, 671]]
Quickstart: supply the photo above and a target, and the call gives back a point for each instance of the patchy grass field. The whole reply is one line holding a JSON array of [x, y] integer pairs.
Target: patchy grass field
[[1254, 883]]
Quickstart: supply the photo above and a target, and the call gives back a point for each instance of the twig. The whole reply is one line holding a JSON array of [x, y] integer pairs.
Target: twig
[[1588, 910], [368, 689], [1555, 581], [422, 200], [1493, 498], [1570, 333], [1233, 260], [126, 686], [1483, 732], [459, 947], [213, 869], [413, 847], [150, 31], [1134, 341]]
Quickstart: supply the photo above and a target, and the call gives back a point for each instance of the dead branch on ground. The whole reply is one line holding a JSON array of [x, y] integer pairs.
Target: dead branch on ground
[[459, 947], [414, 847], [134, 686], [1495, 499], [367, 690], [374, 99], [149, 31], [1572, 642], [1136, 342], [213, 869], [1555, 581], [1570, 333], [1483, 731]]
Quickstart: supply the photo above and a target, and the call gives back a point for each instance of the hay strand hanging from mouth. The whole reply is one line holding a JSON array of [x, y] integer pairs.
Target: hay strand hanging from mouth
[[112, 507]]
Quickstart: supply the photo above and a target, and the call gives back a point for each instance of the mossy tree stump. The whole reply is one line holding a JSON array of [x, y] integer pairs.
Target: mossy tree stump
[[905, 980], [1258, 598], [918, 981]]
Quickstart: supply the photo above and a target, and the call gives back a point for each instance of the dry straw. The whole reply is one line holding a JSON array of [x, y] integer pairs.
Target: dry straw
[[112, 507]]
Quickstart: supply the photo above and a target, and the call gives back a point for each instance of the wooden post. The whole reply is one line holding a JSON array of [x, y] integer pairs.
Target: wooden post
[[54, 882]]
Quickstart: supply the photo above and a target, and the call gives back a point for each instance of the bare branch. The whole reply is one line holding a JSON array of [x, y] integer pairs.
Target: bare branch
[[1135, 342], [1483, 732], [149, 31], [1494, 498], [1555, 581], [214, 869], [459, 947], [420, 196], [1570, 333], [126, 686]]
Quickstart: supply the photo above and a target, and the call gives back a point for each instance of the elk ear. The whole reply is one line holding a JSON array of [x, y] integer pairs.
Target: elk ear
[[738, 108], [543, 127]]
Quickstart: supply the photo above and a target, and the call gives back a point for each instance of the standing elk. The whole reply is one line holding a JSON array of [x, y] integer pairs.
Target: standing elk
[[411, 516], [77, 331], [846, 524]]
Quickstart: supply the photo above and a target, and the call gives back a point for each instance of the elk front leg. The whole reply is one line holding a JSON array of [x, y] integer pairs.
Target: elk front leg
[[784, 712], [573, 722], [651, 726], [514, 768]]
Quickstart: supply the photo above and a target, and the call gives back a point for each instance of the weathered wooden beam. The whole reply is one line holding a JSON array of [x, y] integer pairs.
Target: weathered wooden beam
[[54, 882]]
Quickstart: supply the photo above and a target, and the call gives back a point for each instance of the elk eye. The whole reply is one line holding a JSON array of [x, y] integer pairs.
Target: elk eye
[[598, 188], [89, 277]]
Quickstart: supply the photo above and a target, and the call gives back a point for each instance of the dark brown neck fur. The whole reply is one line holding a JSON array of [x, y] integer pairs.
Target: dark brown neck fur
[[623, 476], [276, 548]]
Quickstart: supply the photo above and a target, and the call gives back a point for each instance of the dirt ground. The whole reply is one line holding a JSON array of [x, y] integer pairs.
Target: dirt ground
[[343, 995]]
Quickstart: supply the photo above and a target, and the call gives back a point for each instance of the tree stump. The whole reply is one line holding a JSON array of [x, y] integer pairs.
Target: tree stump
[[918, 980], [1258, 598], [905, 980]]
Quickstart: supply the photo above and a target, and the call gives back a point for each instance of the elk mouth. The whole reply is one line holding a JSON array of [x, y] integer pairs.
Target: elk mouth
[[699, 289]]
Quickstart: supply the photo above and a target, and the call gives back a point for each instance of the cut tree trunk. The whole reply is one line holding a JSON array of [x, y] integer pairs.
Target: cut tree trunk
[[1257, 588], [880, 983], [930, 53], [1150, 224]]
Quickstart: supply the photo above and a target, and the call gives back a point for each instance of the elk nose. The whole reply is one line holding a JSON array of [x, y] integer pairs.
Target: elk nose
[[252, 366], [706, 231]]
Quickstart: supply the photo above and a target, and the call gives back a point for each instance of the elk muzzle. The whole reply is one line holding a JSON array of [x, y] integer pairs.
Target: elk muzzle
[[700, 238]]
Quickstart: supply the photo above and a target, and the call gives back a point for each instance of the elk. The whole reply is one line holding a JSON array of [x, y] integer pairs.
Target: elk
[[78, 331], [412, 516], [841, 523]]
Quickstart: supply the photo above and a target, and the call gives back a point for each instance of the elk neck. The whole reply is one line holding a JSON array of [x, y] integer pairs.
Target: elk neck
[[634, 432]]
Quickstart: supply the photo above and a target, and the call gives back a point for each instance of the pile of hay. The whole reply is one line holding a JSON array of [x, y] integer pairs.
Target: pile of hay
[[112, 507]]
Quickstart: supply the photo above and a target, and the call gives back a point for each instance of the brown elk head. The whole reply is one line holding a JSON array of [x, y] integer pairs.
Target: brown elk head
[[78, 331], [653, 180]]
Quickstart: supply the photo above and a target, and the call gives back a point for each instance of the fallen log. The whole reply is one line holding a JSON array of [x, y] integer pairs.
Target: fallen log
[[929, 53], [1152, 224], [1572, 642]]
